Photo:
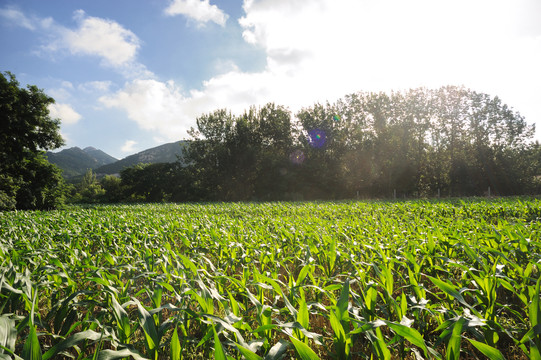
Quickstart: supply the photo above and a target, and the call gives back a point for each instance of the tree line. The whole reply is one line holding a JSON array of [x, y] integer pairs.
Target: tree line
[[450, 141]]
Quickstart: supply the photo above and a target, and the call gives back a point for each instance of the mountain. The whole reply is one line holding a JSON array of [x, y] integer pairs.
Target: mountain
[[75, 161], [102, 157], [166, 153]]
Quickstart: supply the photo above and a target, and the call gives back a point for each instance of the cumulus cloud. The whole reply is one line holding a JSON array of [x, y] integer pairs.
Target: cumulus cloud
[[129, 146], [336, 47], [105, 39], [324, 49], [65, 113], [115, 45], [153, 105], [199, 10]]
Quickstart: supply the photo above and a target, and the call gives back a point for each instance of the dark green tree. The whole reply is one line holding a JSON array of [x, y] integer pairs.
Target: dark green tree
[[27, 180], [149, 182], [242, 157], [89, 190], [113, 189]]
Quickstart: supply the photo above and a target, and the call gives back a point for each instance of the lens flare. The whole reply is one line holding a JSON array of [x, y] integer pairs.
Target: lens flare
[[316, 138], [297, 157]]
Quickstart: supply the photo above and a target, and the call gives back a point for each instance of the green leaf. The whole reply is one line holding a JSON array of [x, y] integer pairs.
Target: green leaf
[[535, 320], [8, 333], [453, 347], [248, 354], [343, 302], [412, 335], [188, 264], [71, 341], [31, 348], [149, 328], [277, 350], [120, 354], [303, 317], [175, 346], [487, 350], [535, 312], [122, 319], [380, 346], [219, 352], [449, 290], [303, 350], [302, 274], [341, 342]]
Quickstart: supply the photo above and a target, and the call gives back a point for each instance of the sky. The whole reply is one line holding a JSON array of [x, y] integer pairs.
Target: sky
[[128, 75]]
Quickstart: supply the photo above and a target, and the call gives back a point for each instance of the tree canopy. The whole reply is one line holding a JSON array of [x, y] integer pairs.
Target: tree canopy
[[27, 179], [450, 141]]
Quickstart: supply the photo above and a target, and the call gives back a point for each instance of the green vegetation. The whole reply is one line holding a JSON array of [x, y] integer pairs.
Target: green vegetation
[[27, 179], [353, 280], [417, 143]]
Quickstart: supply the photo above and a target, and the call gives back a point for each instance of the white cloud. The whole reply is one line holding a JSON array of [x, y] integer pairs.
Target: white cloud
[[324, 49], [129, 146], [199, 10], [154, 106], [96, 86], [18, 18], [106, 39], [65, 113]]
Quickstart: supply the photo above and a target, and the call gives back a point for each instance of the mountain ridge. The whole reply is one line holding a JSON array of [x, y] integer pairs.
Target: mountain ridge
[[75, 161], [165, 153]]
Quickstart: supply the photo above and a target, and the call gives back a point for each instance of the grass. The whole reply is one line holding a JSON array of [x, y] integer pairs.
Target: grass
[[354, 280]]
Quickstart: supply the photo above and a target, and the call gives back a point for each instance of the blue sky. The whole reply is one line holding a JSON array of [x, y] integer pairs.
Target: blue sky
[[128, 75]]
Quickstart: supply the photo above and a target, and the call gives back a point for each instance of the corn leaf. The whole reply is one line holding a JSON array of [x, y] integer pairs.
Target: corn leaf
[[248, 354], [8, 333], [120, 354], [175, 346], [31, 348], [453, 346], [487, 350], [303, 350], [219, 352], [71, 341], [412, 335]]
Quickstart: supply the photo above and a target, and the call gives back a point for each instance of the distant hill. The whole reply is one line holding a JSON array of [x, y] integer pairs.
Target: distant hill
[[166, 153], [75, 161]]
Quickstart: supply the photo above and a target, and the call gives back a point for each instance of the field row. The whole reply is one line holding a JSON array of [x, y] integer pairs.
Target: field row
[[355, 280]]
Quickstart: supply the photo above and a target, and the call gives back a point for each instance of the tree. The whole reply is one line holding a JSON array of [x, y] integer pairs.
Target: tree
[[89, 190], [149, 182], [113, 188], [241, 157], [27, 180]]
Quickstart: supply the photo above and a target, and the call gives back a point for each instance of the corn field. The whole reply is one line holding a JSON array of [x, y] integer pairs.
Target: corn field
[[320, 280]]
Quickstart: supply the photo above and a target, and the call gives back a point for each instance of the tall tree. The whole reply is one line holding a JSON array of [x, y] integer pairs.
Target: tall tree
[[28, 181]]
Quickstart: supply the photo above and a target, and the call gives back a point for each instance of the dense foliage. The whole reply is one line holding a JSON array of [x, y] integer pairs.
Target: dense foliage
[[27, 179], [418, 143], [357, 280]]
